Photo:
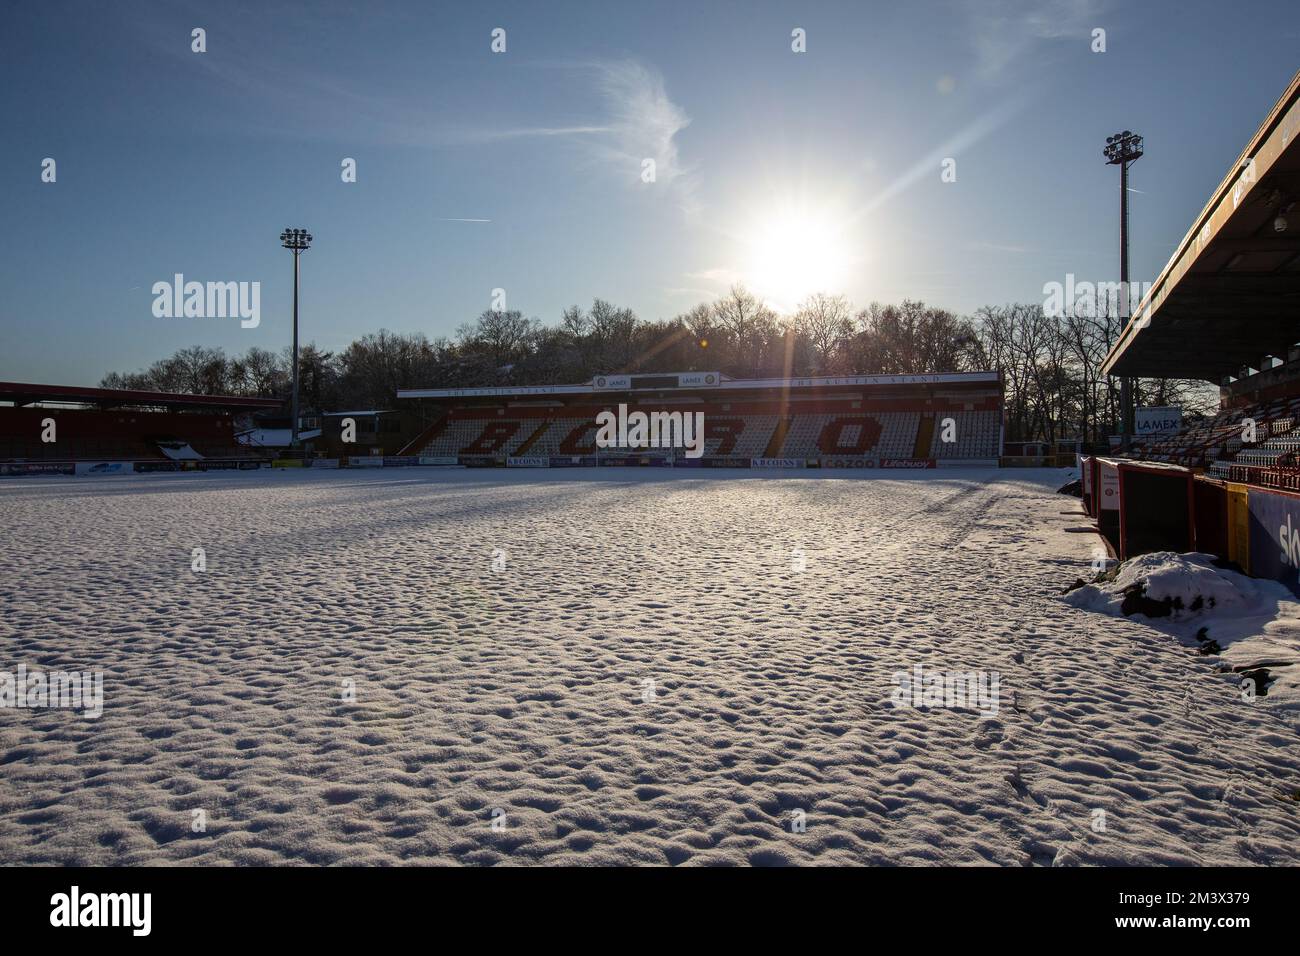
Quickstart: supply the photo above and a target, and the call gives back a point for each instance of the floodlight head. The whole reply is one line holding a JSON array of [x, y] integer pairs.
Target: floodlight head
[[1122, 147], [295, 239]]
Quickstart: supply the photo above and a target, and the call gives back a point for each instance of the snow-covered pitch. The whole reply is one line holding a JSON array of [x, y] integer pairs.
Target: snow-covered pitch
[[606, 666]]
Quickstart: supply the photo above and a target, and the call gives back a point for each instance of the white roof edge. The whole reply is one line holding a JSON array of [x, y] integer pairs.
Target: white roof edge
[[938, 378]]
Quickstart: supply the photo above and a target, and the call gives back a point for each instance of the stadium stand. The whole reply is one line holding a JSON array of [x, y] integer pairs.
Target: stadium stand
[[871, 419], [979, 435], [1223, 310], [1220, 445], [94, 425]]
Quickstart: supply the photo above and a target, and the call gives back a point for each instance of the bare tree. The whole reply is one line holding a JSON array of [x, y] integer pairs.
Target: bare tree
[[747, 325], [825, 322], [501, 337], [1050, 364]]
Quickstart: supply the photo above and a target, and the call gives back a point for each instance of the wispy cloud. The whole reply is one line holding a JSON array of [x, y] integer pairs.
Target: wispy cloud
[[1000, 247], [486, 135], [643, 120], [723, 275], [632, 117], [637, 120], [1003, 30]]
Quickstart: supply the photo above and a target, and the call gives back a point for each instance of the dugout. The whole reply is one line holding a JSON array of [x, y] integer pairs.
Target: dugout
[[1105, 498], [1156, 508]]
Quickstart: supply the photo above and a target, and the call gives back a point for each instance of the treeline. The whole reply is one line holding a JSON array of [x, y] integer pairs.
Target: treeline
[[1049, 364]]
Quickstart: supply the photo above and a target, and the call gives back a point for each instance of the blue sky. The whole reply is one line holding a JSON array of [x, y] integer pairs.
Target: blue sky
[[789, 171]]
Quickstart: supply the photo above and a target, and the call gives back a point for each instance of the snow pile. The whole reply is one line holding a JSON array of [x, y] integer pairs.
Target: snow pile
[[1251, 624], [1188, 585]]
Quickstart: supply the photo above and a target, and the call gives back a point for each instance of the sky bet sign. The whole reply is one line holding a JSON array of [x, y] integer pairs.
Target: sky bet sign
[[1275, 537]]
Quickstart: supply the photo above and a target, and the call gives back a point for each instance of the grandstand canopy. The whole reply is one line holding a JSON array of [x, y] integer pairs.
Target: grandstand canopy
[[660, 382], [22, 393], [1231, 292]]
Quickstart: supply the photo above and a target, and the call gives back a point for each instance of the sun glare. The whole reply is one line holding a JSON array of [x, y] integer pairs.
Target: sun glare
[[795, 251]]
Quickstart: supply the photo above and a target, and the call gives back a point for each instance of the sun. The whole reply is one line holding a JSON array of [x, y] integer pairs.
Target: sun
[[796, 250]]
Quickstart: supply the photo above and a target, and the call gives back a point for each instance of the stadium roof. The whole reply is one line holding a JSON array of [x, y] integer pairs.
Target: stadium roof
[[22, 393], [691, 381], [1231, 292]]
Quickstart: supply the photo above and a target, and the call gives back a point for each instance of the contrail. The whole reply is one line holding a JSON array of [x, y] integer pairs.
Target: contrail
[[447, 219]]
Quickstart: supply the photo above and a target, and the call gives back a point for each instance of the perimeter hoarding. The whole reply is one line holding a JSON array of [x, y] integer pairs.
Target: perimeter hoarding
[[846, 461], [37, 468], [1274, 530], [105, 468], [1238, 502], [633, 461]]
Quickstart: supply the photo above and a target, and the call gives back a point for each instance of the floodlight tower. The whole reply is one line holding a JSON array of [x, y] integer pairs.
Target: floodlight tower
[[1121, 150], [296, 240]]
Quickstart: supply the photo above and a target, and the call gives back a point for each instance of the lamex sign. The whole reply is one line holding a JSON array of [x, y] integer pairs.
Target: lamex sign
[[1275, 537], [1162, 420], [698, 379]]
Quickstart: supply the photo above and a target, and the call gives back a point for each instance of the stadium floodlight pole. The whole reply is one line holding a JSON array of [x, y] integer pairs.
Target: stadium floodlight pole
[[1121, 150], [296, 240]]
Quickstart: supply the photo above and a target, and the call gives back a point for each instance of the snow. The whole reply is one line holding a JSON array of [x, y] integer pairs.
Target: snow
[[646, 677], [179, 451], [1254, 622]]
